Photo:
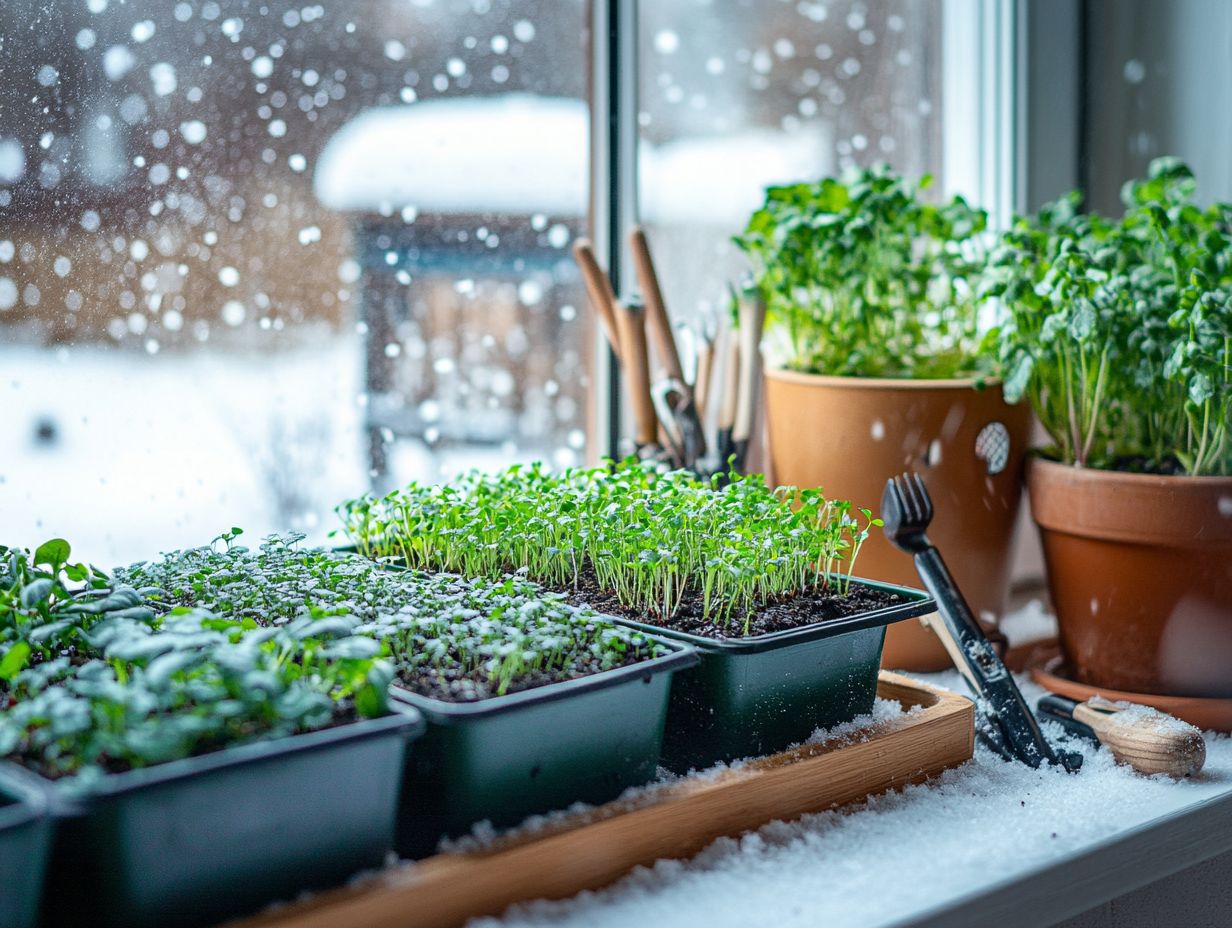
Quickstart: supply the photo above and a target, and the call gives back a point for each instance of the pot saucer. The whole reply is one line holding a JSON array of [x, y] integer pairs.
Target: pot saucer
[[1050, 672]]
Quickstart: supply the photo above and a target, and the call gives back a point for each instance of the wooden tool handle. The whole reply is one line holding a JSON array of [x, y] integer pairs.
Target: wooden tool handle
[[701, 384], [631, 324], [752, 320], [1146, 739], [657, 320], [731, 381], [600, 291]]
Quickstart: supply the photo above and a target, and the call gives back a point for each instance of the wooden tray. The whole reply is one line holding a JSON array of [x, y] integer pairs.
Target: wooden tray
[[595, 848]]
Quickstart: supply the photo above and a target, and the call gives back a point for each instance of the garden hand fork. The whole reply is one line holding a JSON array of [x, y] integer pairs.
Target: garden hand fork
[[1003, 720]]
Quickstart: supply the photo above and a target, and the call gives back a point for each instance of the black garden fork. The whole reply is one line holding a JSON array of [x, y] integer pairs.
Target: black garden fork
[[1003, 720]]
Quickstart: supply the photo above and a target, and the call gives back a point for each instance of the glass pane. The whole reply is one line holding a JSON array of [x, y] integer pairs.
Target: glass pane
[[735, 96], [1156, 84], [258, 257]]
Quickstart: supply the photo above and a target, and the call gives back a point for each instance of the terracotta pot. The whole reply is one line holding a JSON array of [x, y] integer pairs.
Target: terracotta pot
[[1140, 569], [851, 434]]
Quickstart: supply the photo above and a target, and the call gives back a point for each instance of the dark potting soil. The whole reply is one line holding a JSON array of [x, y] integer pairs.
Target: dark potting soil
[[794, 611], [453, 686]]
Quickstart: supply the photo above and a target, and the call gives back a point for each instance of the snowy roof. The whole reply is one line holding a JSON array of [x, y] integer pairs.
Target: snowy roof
[[513, 153], [523, 154]]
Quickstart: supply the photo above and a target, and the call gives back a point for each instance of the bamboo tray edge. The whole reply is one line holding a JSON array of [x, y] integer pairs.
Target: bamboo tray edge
[[595, 848]]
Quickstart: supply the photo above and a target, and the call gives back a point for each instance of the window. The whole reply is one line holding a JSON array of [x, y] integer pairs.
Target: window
[[257, 256]]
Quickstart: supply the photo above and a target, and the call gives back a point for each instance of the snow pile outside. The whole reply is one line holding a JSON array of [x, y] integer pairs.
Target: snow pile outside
[[896, 854]]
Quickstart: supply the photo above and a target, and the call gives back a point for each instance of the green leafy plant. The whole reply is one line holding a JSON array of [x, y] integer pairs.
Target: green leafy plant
[[48, 605], [647, 535], [862, 277], [1120, 331], [445, 636], [188, 684]]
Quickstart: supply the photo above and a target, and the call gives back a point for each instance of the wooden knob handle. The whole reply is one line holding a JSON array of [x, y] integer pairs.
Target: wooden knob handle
[[1146, 739]]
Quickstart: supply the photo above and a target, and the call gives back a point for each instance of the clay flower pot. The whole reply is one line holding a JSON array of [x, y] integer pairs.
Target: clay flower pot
[[1140, 569], [851, 434]]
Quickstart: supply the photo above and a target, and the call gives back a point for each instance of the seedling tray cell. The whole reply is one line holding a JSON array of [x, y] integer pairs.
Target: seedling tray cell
[[195, 841], [757, 695], [25, 839], [502, 759], [591, 849]]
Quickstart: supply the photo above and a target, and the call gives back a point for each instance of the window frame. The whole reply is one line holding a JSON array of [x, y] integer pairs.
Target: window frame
[[986, 37]]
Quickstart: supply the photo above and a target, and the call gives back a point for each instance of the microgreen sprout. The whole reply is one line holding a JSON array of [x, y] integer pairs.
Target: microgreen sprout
[[647, 535], [48, 604], [192, 683], [459, 639]]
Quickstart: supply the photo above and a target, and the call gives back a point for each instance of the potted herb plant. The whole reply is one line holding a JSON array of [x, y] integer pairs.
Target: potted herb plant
[[875, 367], [1119, 332], [532, 704], [758, 581], [198, 766]]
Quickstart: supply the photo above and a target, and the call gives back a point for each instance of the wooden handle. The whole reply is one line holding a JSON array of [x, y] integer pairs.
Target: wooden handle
[[631, 324], [752, 319], [1146, 739], [731, 382], [657, 320], [701, 384], [600, 291]]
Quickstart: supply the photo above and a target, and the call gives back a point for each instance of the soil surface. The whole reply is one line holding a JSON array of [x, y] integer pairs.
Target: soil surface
[[781, 615], [452, 686]]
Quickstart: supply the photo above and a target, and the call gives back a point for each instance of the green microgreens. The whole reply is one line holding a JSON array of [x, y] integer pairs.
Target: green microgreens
[[465, 639], [862, 277], [188, 685], [98, 676], [48, 604], [648, 535], [1120, 331]]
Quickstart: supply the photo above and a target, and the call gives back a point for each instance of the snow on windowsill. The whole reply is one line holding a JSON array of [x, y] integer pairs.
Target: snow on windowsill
[[895, 854]]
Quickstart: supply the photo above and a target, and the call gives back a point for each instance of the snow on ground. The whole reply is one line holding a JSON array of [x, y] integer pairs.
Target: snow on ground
[[153, 452], [894, 855]]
